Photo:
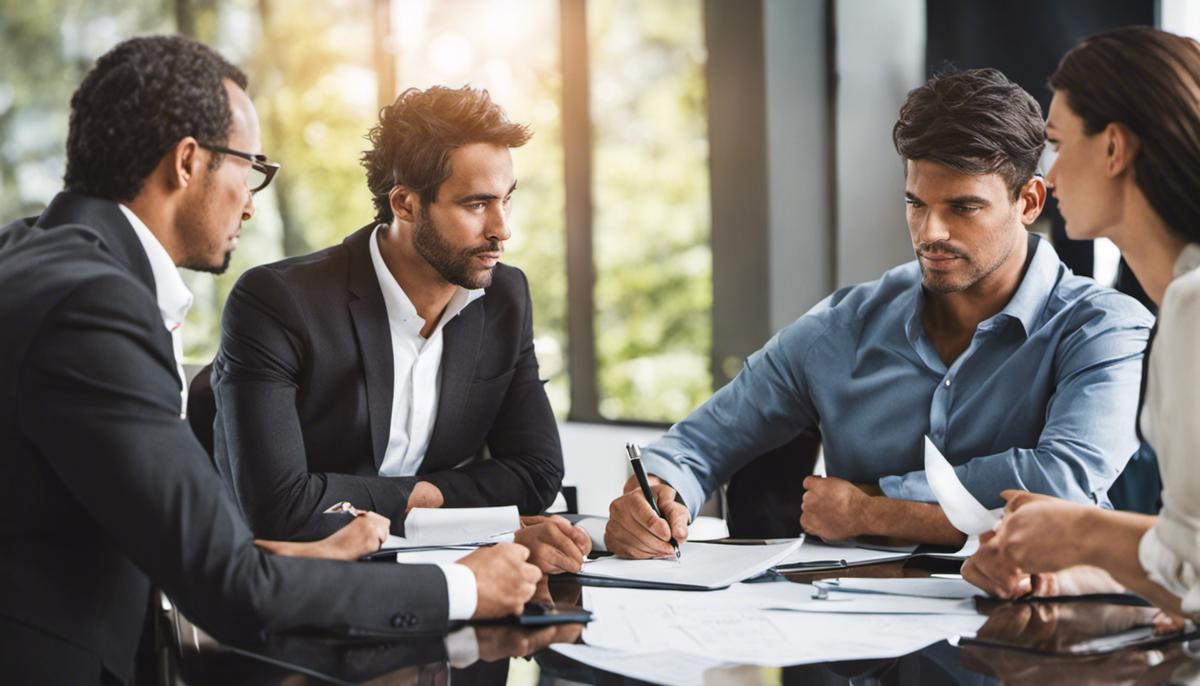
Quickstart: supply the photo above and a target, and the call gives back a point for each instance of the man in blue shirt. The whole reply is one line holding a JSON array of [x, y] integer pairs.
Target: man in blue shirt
[[1023, 374]]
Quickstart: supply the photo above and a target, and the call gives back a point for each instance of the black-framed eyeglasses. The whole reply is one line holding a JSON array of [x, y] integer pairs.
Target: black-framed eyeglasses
[[262, 170]]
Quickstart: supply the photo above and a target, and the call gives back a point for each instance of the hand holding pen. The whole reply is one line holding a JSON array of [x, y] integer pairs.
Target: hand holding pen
[[639, 472]]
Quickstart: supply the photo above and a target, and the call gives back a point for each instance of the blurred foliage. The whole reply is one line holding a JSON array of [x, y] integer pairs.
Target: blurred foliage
[[652, 212], [312, 78]]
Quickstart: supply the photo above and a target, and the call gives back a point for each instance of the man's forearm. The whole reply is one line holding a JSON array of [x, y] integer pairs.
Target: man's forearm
[[911, 521]]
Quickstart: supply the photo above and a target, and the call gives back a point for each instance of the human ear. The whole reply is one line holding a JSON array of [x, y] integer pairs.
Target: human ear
[[1033, 199], [404, 202], [1123, 145]]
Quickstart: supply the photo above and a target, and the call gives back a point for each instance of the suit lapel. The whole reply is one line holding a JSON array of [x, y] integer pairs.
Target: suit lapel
[[461, 340], [369, 315]]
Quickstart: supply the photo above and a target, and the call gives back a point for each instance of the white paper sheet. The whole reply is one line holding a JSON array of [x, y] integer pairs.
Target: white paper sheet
[[807, 598], [425, 526], [704, 565], [966, 513], [822, 555], [957, 589], [731, 627], [673, 668], [433, 556]]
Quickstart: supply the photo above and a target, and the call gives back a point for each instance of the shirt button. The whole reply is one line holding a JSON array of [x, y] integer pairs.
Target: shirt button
[[947, 382]]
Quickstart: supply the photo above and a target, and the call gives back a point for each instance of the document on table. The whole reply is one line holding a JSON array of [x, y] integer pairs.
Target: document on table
[[436, 526], [956, 589], [814, 555], [737, 626], [702, 565], [667, 667], [825, 596], [966, 513]]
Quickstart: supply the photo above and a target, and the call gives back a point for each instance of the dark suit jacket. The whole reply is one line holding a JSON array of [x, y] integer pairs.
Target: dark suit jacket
[[105, 489], [303, 383]]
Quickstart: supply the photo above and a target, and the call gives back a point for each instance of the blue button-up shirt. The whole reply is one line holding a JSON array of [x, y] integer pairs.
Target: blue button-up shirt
[[1043, 399]]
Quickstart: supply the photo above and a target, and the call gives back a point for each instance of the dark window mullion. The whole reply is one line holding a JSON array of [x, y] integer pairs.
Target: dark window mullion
[[577, 160]]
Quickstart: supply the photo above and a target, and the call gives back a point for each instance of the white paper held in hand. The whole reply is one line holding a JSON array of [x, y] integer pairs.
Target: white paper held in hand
[[966, 513]]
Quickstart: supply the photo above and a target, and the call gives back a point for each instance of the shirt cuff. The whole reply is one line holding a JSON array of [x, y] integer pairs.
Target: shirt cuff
[[460, 590], [686, 486], [462, 647]]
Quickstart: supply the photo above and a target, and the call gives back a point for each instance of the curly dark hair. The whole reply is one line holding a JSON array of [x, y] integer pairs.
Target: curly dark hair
[[136, 103], [975, 121], [415, 136], [1146, 79]]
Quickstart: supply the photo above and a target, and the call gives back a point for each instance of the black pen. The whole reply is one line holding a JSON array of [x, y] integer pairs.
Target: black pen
[[635, 461]]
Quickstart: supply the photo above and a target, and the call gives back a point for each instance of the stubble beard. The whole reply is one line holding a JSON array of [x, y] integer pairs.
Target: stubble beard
[[453, 265]]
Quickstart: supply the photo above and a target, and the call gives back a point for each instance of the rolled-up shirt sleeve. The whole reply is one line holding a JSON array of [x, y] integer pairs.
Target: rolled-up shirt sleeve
[[1170, 551]]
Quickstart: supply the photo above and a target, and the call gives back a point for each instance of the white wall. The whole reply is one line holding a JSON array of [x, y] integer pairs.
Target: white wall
[[880, 57], [595, 461]]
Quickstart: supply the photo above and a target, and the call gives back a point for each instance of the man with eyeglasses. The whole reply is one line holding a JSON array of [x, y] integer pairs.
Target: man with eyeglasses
[[105, 489]]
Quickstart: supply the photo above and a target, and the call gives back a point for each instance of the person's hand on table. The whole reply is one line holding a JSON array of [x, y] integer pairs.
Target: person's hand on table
[[634, 531], [424, 494], [834, 509], [362, 535], [504, 581], [555, 545]]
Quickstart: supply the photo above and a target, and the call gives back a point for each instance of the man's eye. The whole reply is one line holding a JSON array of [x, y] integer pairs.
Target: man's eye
[[913, 203], [966, 209]]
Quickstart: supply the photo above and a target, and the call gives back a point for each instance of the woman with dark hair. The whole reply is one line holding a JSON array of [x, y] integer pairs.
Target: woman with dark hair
[[1125, 124]]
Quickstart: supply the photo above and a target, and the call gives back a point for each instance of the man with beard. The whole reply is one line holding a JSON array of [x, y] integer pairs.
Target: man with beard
[[379, 371], [1024, 375], [106, 489]]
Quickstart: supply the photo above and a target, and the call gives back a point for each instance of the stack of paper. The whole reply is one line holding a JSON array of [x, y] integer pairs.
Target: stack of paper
[[424, 527], [740, 625]]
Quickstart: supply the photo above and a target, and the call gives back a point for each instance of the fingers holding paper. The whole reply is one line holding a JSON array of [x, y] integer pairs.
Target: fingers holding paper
[[1043, 534], [555, 545], [635, 531], [992, 570]]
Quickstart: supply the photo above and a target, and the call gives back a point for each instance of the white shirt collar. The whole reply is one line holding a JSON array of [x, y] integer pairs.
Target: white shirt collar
[[399, 305], [1188, 259], [174, 298]]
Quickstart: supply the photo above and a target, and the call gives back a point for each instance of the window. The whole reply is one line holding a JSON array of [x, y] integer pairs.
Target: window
[[318, 71]]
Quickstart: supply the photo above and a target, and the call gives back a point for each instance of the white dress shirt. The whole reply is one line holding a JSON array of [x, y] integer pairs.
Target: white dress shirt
[[174, 298], [174, 301], [416, 365], [1170, 551]]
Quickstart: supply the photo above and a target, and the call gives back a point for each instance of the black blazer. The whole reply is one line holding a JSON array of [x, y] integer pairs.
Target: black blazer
[[303, 385], [105, 488]]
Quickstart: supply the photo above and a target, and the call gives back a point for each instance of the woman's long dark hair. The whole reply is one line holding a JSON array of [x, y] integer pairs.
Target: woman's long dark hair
[[1149, 81]]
